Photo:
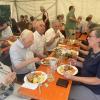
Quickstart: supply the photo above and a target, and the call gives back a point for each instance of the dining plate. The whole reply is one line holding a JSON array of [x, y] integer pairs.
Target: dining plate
[[67, 69], [35, 78], [46, 61]]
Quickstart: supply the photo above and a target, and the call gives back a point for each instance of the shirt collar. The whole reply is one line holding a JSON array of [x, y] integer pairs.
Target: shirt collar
[[39, 34]]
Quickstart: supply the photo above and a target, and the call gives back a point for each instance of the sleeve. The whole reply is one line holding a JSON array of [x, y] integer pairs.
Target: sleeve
[[16, 57]]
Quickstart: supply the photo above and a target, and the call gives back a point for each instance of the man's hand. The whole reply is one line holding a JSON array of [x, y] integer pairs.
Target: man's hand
[[72, 61], [36, 59], [9, 78], [68, 76]]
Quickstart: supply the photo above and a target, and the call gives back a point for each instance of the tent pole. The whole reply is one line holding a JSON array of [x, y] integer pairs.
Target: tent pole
[[56, 7], [15, 3]]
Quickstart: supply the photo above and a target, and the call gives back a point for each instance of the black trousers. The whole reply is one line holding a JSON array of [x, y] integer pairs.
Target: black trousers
[[20, 77]]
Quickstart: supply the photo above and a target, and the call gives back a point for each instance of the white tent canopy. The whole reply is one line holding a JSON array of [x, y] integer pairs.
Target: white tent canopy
[[54, 7]]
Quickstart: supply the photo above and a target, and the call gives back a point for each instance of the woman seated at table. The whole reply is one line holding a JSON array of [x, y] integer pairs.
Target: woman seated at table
[[89, 87], [6, 79]]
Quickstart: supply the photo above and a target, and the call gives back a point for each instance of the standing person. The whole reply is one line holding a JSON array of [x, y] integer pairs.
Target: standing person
[[14, 27], [45, 17], [26, 21], [33, 21], [70, 25], [89, 80], [90, 23], [21, 23]]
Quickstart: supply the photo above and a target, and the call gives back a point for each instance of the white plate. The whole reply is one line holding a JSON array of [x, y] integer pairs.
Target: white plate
[[60, 69], [48, 59], [43, 73]]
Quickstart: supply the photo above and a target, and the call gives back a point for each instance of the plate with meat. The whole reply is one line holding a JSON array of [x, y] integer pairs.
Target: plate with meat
[[67, 69]]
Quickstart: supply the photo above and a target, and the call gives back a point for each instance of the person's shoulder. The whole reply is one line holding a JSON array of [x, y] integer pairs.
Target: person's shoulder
[[15, 45]]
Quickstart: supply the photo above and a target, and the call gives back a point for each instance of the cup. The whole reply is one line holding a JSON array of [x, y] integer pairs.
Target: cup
[[53, 64], [50, 75]]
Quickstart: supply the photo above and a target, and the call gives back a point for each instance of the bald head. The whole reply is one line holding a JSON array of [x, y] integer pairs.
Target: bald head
[[27, 38]]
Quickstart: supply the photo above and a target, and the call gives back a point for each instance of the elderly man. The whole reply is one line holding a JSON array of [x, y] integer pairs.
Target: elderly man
[[53, 35], [21, 57], [38, 46]]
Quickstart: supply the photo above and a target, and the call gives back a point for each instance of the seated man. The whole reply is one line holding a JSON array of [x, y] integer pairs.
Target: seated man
[[21, 57], [6, 79], [38, 46], [53, 35]]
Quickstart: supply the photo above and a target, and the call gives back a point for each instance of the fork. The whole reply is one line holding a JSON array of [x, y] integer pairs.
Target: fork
[[40, 91]]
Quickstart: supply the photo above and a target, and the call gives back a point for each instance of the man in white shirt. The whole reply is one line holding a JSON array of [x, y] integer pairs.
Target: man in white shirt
[[53, 35], [21, 57], [38, 46]]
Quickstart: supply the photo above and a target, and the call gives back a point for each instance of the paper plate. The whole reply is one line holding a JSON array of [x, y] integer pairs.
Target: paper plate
[[37, 77]]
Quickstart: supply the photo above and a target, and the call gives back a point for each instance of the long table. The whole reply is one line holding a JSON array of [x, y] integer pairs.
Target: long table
[[52, 92]]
